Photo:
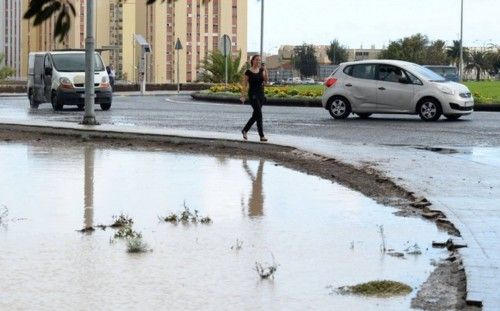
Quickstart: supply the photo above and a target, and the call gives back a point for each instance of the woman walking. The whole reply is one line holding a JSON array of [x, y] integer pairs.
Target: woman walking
[[254, 80]]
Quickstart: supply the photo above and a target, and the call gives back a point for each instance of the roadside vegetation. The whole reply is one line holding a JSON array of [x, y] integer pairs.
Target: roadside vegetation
[[484, 92]]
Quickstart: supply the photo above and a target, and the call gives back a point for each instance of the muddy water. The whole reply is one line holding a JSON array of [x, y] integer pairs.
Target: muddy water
[[321, 234]]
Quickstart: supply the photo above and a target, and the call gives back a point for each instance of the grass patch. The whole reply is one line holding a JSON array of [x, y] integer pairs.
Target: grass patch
[[383, 288], [485, 92]]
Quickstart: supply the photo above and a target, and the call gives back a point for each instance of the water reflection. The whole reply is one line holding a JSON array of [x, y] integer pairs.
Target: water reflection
[[256, 201], [88, 215]]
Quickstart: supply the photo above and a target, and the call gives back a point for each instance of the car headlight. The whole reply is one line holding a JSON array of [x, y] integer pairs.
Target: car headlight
[[446, 90], [65, 82]]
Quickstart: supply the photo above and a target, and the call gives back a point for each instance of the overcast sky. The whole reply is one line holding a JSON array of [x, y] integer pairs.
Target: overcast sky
[[371, 22]]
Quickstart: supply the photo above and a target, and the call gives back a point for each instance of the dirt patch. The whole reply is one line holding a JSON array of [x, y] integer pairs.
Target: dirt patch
[[366, 180]]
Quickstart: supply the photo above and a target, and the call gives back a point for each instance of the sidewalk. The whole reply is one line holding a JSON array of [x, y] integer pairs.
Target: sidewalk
[[466, 192]]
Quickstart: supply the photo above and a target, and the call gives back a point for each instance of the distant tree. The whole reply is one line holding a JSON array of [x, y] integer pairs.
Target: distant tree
[[42, 10], [305, 61], [453, 53], [412, 49], [336, 53], [213, 68], [436, 53], [5, 71], [494, 62], [479, 62]]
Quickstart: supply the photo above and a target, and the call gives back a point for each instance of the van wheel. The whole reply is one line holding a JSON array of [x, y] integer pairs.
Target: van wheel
[[80, 106], [56, 103], [105, 106], [33, 103], [339, 107], [364, 115], [429, 109]]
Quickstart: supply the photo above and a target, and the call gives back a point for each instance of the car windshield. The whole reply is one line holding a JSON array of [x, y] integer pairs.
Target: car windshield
[[426, 73], [74, 62]]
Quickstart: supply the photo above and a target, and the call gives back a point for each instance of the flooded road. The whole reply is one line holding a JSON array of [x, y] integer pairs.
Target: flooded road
[[321, 234]]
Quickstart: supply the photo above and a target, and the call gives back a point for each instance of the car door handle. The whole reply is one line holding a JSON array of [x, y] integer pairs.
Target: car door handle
[[348, 84], [382, 88]]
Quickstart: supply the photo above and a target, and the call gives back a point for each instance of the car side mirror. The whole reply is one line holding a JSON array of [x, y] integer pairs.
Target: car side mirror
[[48, 71], [404, 81]]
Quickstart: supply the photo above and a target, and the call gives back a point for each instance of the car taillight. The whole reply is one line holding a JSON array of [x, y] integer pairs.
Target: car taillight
[[330, 82]]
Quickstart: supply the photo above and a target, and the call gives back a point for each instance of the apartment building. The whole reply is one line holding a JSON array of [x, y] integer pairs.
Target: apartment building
[[10, 33], [198, 24]]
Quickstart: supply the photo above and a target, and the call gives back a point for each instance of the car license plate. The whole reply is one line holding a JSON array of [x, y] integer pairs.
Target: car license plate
[[468, 104]]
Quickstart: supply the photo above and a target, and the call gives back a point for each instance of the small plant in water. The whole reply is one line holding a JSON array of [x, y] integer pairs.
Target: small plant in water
[[413, 250], [265, 270], [137, 245], [127, 233], [186, 216], [383, 288], [122, 221], [238, 245], [383, 246]]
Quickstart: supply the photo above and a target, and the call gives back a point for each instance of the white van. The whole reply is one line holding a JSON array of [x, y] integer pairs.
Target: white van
[[59, 78]]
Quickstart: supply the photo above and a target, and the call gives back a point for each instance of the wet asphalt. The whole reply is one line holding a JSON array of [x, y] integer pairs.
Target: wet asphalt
[[481, 129]]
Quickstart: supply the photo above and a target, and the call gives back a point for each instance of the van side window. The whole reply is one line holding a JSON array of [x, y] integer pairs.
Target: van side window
[[364, 71], [46, 62]]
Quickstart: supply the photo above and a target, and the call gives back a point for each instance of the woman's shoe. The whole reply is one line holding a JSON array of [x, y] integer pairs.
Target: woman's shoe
[[263, 138], [244, 135]]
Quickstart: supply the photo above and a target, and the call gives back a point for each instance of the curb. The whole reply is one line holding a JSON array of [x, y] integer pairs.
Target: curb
[[303, 103], [291, 102]]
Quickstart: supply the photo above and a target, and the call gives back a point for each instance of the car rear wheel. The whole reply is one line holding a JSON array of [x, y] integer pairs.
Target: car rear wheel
[[364, 115], [452, 117], [429, 109], [339, 108], [56, 103]]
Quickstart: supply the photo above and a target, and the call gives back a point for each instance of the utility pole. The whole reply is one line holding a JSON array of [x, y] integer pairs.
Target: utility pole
[[261, 28], [461, 69], [89, 117]]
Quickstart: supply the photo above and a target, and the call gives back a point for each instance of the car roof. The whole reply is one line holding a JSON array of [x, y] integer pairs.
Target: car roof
[[380, 61]]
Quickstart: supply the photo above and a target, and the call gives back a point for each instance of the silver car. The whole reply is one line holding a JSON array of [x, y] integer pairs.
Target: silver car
[[391, 86]]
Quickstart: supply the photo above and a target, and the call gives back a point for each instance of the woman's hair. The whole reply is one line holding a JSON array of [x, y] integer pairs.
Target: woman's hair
[[253, 58]]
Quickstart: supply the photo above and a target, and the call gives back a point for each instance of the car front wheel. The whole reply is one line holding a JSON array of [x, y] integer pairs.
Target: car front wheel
[[429, 110], [339, 108], [56, 103]]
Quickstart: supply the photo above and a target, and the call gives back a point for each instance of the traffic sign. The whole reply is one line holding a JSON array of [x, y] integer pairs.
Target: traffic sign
[[225, 45]]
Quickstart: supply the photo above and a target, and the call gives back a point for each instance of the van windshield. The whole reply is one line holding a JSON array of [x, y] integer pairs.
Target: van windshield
[[75, 62]]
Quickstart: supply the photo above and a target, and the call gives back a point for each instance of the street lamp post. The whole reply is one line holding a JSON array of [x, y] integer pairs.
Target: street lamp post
[[261, 28], [89, 117], [461, 69]]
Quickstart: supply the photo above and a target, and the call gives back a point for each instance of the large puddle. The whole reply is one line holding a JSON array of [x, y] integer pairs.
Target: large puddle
[[321, 234]]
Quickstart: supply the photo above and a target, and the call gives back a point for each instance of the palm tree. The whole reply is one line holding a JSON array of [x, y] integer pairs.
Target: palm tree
[[453, 53], [213, 68], [479, 62]]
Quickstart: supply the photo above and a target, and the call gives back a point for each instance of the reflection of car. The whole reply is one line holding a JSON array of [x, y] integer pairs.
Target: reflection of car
[[448, 72], [390, 86], [294, 80]]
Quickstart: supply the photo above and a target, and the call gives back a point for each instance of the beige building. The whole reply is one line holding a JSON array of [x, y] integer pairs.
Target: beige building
[[198, 24]]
